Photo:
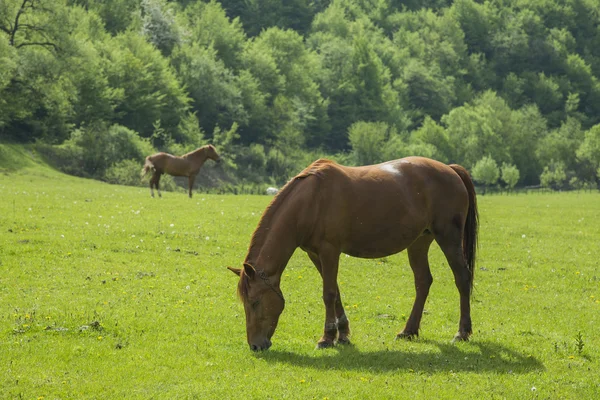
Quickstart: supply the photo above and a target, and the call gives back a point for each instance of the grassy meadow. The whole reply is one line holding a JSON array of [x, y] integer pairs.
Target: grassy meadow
[[108, 293]]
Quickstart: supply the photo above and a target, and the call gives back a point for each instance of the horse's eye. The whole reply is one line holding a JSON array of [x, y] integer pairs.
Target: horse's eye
[[254, 304]]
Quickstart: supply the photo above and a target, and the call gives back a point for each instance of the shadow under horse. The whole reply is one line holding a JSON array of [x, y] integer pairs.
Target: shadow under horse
[[369, 212], [187, 165]]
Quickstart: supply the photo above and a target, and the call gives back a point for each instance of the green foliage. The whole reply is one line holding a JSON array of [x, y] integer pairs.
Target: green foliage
[[225, 142], [117, 15], [368, 141], [484, 126], [125, 172], [510, 175], [589, 150], [554, 176], [259, 15], [91, 151], [251, 163], [8, 68], [434, 137], [158, 25], [486, 171], [217, 100], [149, 88], [517, 80], [209, 27]]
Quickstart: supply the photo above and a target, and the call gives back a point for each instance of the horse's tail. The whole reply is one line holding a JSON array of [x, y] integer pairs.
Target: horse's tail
[[147, 167], [471, 225]]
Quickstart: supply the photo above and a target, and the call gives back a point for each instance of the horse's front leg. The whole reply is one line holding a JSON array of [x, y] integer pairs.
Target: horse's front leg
[[157, 183], [191, 180], [329, 258], [343, 325]]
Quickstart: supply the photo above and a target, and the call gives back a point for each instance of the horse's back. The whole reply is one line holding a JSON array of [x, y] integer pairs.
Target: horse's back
[[410, 180], [377, 210]]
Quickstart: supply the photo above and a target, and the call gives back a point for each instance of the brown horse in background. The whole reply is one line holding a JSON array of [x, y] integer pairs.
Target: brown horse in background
[[369, 212], [187, 165]]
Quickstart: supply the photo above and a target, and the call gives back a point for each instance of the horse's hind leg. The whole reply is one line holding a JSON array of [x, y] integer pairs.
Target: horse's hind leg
[[419, 263], [343, 325], [155, 180], [152, 182], [451, 245]]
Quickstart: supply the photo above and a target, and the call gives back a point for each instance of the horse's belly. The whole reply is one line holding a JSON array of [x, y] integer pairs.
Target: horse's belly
[[379, 244], [372, 252]]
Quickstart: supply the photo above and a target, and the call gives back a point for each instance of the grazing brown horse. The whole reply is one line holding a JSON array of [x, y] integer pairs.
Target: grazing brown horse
[[369, 212], [187, 165]]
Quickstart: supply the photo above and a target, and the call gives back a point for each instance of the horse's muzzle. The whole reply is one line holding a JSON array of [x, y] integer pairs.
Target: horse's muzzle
[[260, 347]]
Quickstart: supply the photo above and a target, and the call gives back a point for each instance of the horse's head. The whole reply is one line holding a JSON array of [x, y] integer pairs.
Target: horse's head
[[212, 153], [263, 304]]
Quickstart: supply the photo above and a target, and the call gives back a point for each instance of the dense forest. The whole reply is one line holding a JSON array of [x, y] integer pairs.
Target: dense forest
[[508, 88]]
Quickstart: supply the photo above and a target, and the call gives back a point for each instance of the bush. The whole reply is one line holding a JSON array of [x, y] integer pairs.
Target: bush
[[92, 151], [486, 171], [126, 172], [368, 140], [554, 176], [251, 162], [510, 175]]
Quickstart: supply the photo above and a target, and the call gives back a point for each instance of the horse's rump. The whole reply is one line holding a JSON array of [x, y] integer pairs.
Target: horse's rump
[[148, 166]]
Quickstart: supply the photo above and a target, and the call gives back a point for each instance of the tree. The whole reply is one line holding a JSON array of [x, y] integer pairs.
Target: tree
[[433, 137], [8, 69], [588, 152], [510, 175], [553, 176], [483, 127], [213, 88], [259, 15], [209, 27], [368, 141], [486, 171], [38, 23], [34, 34], [148, 87], [286, 72], [529, 126], [158, 25], [117, 15], [560, 145]]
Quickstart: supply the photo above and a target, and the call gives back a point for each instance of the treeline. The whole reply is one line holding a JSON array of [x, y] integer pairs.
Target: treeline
[[507, 88]]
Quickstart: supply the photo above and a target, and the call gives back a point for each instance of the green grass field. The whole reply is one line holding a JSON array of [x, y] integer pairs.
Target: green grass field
[[108, 293]]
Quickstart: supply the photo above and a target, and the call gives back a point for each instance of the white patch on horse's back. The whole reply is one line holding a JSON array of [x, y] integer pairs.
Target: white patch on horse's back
[[391, 168]]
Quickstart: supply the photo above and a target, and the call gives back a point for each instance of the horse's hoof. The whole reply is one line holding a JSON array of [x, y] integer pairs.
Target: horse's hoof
[[406, 336], [325, 344], [344, 341], [459, 337]]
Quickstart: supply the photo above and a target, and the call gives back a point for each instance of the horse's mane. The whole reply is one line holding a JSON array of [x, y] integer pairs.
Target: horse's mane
[[193, 152], [315, 168]]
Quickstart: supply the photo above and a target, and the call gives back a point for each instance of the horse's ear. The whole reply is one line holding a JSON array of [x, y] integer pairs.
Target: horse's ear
[[236, 271], [249, 270]]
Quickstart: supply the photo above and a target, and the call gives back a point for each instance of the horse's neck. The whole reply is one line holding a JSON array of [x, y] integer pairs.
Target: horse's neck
[[273, 243], [198, 157]]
